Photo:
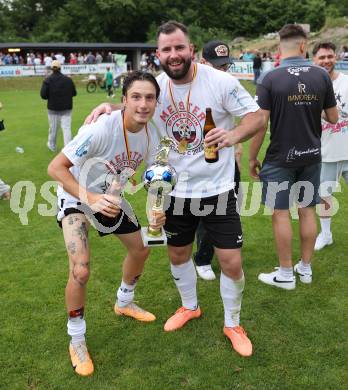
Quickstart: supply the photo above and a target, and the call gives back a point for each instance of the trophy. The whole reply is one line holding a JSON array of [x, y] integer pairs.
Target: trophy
[[159, 180]]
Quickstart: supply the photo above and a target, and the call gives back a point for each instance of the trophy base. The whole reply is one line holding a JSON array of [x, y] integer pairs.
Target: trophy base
[[160, 240]]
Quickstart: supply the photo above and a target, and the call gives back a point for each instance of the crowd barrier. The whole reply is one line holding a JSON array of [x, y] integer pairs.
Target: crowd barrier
[[42, 70], [241, 69]]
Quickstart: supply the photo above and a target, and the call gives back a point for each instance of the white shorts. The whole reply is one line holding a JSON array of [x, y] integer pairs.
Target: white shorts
[[330, 176]]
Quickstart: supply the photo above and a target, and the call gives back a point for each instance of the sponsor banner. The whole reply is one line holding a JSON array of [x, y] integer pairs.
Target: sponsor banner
[[41, 70], [243, 70], [342, 66]]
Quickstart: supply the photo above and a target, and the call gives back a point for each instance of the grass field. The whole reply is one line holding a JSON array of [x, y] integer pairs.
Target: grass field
[[299, 337]]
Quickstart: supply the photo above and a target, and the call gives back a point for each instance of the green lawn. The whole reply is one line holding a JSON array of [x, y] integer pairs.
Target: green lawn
[[299, 337]]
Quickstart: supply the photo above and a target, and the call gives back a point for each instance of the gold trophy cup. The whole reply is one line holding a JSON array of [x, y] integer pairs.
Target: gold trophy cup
[[159, 180]]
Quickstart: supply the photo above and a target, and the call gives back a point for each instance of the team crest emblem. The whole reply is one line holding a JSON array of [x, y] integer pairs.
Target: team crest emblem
[[221, 51]]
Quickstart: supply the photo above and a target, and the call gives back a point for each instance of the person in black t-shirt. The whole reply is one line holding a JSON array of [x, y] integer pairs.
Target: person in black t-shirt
[[59, 91], [257, 66], [293, 97]]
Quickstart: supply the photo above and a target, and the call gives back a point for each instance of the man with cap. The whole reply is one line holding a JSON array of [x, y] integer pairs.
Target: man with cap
[[217, 55], [58, 90]]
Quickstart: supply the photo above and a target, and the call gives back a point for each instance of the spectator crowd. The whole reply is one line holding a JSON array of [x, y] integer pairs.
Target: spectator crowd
[[46, 59]]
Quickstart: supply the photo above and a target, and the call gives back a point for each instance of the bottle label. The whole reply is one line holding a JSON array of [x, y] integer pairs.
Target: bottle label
[[210, 152]]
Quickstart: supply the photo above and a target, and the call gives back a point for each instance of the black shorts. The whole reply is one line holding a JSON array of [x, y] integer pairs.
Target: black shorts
[[282, 187], [119, 225], [219, 217]]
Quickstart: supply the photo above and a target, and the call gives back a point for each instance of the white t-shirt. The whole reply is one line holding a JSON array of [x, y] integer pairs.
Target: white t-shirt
[[227, 99], [99, 150], [334, 138], [48, 61]]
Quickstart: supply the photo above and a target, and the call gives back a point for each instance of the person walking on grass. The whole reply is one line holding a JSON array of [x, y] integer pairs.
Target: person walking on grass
[[98, 152], [109, 80], [293, 97], [59, 91]]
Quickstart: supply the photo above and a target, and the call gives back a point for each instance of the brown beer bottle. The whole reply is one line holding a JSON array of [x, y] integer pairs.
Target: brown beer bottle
[[210, 153]]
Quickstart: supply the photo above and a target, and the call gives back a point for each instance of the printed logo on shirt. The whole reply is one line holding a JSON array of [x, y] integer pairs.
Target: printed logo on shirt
[[234, 93], [120, 161], [83, 148], [302, 98], [296, 70], [185, 126], [301, 87], [342, 125], [295, 154]]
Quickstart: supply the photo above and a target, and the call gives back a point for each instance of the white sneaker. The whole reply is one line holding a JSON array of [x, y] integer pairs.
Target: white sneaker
[[322, 241], [305, 277], [274, 279], [205, 272]]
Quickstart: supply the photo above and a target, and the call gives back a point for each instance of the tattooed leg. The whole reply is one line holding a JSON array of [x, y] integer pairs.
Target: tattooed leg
[[75, 230]]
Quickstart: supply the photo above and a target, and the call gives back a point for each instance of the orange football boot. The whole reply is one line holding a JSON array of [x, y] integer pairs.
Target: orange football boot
[[239, 339], [181, 316]]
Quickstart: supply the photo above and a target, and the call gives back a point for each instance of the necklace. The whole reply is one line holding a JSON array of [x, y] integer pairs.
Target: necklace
[[125, 137]]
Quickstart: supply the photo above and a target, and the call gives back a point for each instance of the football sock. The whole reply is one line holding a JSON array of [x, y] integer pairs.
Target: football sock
[[76, 326], [286, 272], [125, 293], [305, 267], [325, 224], [185, 278], [231, 293]]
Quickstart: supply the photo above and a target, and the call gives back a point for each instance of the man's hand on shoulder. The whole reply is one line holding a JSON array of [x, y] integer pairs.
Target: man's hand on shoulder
[[104, 108]]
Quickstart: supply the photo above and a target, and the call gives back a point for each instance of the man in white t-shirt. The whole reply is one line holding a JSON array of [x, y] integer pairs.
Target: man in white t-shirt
[[204, 192], [85, 168], [334, 141]]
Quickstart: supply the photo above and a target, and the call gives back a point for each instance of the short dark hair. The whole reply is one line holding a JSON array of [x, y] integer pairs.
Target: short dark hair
[[139, 75], [291, 31], [171, 26], [323, 45]]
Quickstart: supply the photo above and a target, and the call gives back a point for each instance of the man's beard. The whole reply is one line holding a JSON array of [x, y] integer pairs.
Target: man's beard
[[177, 75]]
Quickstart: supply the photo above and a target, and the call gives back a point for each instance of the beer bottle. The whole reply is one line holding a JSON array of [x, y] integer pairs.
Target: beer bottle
[[210, 153]]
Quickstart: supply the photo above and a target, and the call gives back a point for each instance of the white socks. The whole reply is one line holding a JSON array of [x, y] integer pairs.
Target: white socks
[[76, 329], [125, 294], [231, 293], [325, 224], [304, 267], [285, 272], [185, 278]]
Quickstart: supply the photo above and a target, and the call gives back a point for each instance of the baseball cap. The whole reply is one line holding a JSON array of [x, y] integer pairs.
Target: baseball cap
[[217, 53], [55, 64]]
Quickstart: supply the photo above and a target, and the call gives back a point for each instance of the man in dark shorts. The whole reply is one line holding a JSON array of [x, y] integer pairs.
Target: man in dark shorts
[[107, 148], [204, 192], [217, 55], [293, 97]]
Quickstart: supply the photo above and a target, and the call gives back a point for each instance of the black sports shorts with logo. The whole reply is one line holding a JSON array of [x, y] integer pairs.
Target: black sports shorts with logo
[[119, 225], [218, 214]]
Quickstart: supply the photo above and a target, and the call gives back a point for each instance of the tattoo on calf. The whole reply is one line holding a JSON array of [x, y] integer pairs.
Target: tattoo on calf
[[71, 247], [135, 279]]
